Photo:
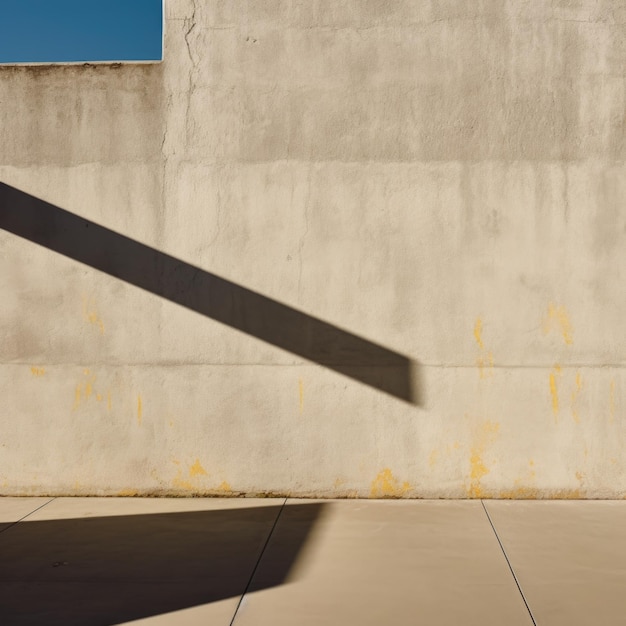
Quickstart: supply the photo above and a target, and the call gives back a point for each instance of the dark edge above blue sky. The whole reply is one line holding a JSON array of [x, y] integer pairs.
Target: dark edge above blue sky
[[80, 31]]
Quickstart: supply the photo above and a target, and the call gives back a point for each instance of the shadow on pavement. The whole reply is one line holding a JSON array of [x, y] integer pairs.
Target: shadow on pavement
[[107, 570]]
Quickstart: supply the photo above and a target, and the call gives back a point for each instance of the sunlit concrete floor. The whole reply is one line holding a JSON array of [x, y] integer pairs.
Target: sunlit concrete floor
[[277, 562]]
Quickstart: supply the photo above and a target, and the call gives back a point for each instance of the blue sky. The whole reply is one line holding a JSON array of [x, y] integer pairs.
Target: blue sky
[[46, 31]]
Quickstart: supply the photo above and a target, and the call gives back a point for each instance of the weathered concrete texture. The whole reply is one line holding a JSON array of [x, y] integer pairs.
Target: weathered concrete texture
[[80, 114], [187, 429], [444, 180]]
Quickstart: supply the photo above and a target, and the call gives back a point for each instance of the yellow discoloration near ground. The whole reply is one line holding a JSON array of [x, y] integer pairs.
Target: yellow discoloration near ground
[[181, 483], [558, 319], [37, 371], [139, 409], [519, 493], [197, 470], [477, 471], [386, 485], [194, 482], [485, 434]]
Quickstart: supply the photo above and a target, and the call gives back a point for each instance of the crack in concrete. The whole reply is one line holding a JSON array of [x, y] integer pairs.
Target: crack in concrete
[[190, 25]]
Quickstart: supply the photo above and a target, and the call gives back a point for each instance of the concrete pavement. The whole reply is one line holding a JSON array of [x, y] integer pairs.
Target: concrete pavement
[[285, 561]]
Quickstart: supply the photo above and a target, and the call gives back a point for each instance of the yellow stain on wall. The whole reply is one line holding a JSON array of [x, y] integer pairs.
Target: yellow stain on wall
[[612, 401], [139, 409], [484, 436], [575, 392], [37, 371], [478, 333], [485, 360], [478, 469], [84, 390], [178, 480], [556, 372], [197, 470], [224, 487], [90, 314], [557, 318], [127, 493], [385, 485], [301, 394]]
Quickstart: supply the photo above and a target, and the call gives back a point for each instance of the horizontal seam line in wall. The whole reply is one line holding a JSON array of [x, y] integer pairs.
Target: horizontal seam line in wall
[[387, 162], [405, 162], [268, 24], [308, 363]]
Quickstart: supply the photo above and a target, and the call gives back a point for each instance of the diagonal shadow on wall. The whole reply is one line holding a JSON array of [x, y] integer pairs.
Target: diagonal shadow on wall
[[215, 297], [109, 570]]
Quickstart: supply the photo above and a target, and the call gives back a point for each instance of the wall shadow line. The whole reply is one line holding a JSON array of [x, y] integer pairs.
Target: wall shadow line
[[215, 297]]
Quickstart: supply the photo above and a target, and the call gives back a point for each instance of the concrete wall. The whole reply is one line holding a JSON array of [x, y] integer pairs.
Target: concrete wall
[[338, 248]]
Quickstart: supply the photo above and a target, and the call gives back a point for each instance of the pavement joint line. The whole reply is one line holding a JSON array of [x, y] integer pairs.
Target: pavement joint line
[[269, 536], [27, 515], [519, 587]]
